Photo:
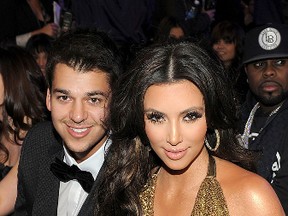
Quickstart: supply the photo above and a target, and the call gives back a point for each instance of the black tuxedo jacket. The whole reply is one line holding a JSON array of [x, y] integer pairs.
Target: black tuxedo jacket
[[38, 188]]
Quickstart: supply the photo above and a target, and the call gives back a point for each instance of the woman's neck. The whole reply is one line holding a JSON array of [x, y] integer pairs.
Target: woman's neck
[[227, 64], [180, 187]]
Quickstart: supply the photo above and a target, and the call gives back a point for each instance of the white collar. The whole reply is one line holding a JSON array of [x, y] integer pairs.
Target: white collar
[[92, 164]]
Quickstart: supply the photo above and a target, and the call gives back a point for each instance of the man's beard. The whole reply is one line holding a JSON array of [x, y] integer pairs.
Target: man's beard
[[270, 99]]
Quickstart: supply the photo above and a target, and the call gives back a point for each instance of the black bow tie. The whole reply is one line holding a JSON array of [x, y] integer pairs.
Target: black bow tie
[[66, 173]]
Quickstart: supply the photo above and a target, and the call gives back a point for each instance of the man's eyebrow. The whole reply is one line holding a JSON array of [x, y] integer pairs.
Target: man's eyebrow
[[63, 91], [89, 94], [93, 93]]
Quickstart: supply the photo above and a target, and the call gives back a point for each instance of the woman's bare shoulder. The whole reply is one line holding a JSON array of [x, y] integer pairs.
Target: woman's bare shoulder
[[247, 192]]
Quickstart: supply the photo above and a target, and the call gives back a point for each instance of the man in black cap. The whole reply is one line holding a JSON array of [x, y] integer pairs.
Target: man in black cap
[[265, 112]]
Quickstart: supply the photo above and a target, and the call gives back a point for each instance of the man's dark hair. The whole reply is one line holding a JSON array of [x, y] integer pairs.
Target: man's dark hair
[[85, 50]]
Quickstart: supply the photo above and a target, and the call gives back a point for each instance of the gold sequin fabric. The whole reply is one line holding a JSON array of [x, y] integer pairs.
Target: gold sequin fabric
[[210, 200], [147, 196]]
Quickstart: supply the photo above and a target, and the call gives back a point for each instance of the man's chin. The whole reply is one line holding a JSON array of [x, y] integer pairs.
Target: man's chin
[[271, 100]]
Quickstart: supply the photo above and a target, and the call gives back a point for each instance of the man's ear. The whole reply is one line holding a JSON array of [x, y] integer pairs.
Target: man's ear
[[245, 69], [48, 99]]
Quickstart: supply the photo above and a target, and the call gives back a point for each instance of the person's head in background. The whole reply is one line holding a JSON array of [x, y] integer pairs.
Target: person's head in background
[[22, 100], [39, 46], [169, 28], [227, 39], [248, 8]]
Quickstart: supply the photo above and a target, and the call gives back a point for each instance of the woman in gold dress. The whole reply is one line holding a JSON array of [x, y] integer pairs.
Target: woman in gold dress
[[174, 149]]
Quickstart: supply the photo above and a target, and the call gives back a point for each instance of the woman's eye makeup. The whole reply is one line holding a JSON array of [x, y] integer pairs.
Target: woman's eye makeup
[[192, 116], [155, 117]]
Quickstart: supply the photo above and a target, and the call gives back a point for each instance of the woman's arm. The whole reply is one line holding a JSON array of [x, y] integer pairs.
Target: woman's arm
[[8, 191]]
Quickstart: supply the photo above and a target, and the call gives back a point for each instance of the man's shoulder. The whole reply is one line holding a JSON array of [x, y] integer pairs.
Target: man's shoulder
[[284, 106], [41, 135], [44, 128], [282, 115]]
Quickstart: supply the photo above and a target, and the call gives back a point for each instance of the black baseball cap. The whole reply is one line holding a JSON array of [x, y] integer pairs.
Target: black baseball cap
[[266, 42]]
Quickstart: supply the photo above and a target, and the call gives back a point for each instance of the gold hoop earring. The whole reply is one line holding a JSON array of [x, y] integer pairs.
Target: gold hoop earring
[[217, 142]]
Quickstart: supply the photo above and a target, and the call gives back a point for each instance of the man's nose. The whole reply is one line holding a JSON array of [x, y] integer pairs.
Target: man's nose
[[78, 112]]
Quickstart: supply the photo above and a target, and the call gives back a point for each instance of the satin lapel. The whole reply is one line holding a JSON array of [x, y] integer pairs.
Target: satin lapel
[[88, 207]]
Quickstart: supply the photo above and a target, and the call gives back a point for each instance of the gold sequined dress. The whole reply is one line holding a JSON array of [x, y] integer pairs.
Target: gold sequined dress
[[210, 200]]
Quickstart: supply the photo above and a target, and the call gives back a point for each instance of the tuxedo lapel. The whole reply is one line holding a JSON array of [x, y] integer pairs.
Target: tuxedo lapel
[[46, 200], [88, 207]]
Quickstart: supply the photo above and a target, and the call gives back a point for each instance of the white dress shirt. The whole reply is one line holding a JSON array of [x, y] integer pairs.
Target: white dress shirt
[[71, 194]]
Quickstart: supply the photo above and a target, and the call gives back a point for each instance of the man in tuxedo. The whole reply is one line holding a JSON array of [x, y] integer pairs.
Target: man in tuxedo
[[81, 72]]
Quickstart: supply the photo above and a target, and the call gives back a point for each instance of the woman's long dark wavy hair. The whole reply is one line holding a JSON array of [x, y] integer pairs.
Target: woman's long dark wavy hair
[[129, 162], [24, 95]]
